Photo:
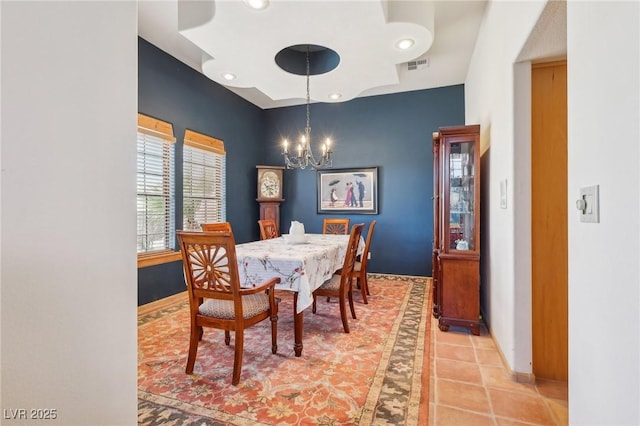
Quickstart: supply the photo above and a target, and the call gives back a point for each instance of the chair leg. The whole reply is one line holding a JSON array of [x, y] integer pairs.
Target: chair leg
[[343, 314], [227, 337], [353, 310], [313, 306], [237, 359], [193, 347], [200, 333], [274, 333], [363, 287], [366, 282]]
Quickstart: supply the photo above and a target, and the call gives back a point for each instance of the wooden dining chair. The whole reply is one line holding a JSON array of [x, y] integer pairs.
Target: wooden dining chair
[[340, 285], [335, 226], [216, 299], [217, 226], [360, 267], [268, 229]]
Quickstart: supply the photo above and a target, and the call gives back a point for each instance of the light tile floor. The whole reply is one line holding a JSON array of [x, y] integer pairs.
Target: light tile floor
[[470, 385]]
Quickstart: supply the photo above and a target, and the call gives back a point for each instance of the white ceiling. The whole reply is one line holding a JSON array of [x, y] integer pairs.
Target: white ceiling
[[214, 37]]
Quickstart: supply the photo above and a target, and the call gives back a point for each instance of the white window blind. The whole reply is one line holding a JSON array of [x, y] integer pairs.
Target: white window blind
[[204, 180], [156, 185]]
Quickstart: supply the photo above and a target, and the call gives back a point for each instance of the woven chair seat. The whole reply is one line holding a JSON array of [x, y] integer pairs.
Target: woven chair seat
[[252, 305], [332, 284], [357, 267]]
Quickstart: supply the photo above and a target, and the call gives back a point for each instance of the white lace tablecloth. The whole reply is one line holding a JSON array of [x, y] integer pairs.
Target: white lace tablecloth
[[301, 267]]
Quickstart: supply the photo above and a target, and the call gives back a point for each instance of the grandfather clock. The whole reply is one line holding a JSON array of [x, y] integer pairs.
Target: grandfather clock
[[270, 192]]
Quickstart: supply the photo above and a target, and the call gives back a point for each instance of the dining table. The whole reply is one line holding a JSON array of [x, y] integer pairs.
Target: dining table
[[302, 266]]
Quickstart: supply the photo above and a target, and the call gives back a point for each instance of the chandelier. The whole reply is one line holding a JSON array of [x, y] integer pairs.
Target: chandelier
[[303, 156]]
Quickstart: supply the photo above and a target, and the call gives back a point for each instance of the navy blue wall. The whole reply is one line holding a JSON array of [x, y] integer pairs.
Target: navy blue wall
[[392, 132], [171, 91]]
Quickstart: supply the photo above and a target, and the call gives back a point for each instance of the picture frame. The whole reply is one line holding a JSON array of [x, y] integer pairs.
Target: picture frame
[[339, 191]]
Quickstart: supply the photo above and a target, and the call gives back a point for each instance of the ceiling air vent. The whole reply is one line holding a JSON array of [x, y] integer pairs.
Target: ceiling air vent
[[417, 65]]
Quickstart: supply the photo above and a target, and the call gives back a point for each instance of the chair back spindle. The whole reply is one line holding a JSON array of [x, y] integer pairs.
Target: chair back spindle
[[335, 226], [268, 229]]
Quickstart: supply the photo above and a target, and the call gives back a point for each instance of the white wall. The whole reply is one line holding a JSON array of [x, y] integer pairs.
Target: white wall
[[604, 149], [69, 276], [490, 100], [603, 54]]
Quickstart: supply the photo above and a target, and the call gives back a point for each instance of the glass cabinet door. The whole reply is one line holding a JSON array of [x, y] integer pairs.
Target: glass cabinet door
[[456, 261], [461, 166]]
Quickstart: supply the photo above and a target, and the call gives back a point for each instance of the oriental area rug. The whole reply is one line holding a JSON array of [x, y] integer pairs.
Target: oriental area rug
[[371, 376]]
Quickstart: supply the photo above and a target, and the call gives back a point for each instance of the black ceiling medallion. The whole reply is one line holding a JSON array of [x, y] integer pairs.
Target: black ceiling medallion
[[293, 59]]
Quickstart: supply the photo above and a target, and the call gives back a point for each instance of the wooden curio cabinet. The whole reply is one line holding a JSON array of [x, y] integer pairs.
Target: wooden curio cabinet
[[456, 222]]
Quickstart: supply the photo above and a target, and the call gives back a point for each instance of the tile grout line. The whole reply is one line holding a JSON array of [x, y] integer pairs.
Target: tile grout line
[[552, 414], [484, 384]]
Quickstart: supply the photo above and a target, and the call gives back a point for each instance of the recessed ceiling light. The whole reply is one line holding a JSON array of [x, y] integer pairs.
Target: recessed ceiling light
[[257, 4], [335, 96], [229, 76], [405, 43]]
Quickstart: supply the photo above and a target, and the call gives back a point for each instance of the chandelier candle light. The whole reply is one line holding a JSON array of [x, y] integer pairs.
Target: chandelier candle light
[[305, 157]]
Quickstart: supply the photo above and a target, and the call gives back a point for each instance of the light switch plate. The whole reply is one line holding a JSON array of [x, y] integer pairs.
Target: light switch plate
[[591, 206], [503, 194]]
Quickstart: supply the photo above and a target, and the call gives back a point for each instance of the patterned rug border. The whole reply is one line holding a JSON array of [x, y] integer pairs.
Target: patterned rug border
[[376, 387], [415, 299]]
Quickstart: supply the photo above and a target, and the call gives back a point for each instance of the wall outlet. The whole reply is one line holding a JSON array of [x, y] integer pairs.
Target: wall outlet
[[368, 255]]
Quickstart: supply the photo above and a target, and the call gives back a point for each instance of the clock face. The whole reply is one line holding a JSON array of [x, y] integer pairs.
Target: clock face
[[270, 185]]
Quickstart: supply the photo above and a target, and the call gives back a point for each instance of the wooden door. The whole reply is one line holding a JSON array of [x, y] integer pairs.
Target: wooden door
[[549, 220]]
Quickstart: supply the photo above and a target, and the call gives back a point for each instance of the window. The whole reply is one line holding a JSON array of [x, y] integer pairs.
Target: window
[[156, 185], [204, 180]]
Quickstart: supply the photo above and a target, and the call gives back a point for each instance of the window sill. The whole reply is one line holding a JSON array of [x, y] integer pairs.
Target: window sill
[[150, 259]]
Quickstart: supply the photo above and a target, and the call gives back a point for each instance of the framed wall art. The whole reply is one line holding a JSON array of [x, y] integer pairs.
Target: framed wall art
[[352, 191]]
